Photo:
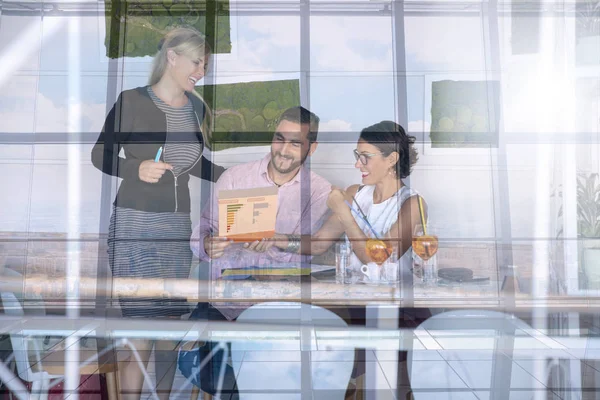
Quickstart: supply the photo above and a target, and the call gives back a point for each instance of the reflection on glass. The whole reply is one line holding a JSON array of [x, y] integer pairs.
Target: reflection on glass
[[56, 42], [21, 33], [460, 114], [147, 22], [587, 31], [444, 43], [358, 44], [373, 94], [17, 104], [52, 111], [250, 111]]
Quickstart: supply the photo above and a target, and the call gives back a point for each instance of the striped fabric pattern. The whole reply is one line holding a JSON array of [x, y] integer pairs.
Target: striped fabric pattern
[[182, 148], [156, 245], [150, 245]]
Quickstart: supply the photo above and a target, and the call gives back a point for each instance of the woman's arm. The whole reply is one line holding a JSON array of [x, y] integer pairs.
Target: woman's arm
[[321, 241], [400, 232], [207, 170], [105, 153]]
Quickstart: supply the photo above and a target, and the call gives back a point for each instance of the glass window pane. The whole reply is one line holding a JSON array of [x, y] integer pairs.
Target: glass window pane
[[448, 43], [521, 159], [20, 36], [52, 107], [17, 104], [263, 44], [56, 38], [338, 44], [359, 101], [459, 207], [49, 202], [14, 210]]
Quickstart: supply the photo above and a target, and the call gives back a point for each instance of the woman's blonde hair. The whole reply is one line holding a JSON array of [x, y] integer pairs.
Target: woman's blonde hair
[[192, 43]]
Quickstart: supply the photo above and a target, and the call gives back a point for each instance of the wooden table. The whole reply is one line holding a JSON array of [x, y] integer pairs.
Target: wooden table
[[315, 292]]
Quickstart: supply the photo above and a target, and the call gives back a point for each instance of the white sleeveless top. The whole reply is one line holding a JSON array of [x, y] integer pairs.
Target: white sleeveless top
[[381, 216]]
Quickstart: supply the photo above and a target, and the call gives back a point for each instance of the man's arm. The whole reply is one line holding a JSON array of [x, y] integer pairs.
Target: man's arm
[[319, 212], [326, 229], [209, 219]]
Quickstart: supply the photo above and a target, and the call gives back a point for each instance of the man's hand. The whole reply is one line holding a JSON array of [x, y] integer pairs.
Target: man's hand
[[151, 171], [261, 246], [215, 246]]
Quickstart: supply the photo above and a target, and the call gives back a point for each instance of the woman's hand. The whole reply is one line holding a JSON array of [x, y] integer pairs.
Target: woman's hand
[[336, 199], [151, 171]]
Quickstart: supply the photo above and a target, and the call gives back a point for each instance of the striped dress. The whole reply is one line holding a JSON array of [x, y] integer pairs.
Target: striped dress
[[157, 245]]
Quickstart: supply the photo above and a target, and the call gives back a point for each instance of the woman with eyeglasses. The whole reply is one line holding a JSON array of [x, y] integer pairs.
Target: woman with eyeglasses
[[385, 155]]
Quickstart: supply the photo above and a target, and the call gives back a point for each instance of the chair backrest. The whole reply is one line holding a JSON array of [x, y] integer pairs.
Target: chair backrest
[[21, 344], [473, 319], [271, 361], [480, 327], [35, 302]]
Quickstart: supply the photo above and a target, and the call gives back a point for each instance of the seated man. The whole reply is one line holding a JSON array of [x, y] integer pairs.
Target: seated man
[[302, 197]]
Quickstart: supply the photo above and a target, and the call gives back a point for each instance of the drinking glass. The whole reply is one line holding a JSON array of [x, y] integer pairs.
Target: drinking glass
[[425, 246], [384, 252], [342, 259], [391, 269], [379, 250]]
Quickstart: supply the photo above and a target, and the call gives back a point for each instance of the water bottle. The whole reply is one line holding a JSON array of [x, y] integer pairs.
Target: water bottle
[[342, 252]]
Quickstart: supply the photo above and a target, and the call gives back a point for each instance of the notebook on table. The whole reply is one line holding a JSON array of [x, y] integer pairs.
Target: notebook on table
[[276, 270]]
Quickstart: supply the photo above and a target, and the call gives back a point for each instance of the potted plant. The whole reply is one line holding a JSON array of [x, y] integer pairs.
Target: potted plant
[[588, 227], [588, 32]]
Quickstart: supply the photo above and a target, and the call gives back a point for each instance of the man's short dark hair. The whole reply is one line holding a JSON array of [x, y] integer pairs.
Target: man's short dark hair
[[302, 116]]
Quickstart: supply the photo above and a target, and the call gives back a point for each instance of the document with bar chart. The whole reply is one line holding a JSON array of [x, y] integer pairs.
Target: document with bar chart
[[248, 214]]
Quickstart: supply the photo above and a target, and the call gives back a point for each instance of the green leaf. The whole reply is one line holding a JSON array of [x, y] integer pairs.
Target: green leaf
[[248, 102], [588, 205], [147, 22]]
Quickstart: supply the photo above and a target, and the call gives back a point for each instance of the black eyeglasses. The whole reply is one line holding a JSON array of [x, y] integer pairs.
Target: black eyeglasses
[[364, 157]]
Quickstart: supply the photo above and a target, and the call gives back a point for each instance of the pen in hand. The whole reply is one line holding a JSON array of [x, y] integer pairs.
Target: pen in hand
[[158, 153], [363, 217]]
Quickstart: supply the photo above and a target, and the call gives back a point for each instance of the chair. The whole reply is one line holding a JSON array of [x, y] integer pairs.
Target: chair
[[474, 364], [276, 364], [44, 369], [196, 272]]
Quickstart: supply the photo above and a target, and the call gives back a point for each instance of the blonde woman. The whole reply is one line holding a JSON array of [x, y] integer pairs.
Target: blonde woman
[[162, 129]]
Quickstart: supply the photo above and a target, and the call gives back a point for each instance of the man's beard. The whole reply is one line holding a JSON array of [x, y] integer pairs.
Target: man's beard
[[293, 166]]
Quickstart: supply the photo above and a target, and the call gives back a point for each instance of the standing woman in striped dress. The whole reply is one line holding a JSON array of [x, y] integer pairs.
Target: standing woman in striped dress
[[162, 129]]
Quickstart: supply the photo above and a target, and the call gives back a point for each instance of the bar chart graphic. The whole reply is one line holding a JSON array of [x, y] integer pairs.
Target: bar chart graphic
[[232, 210], [248, 214]]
